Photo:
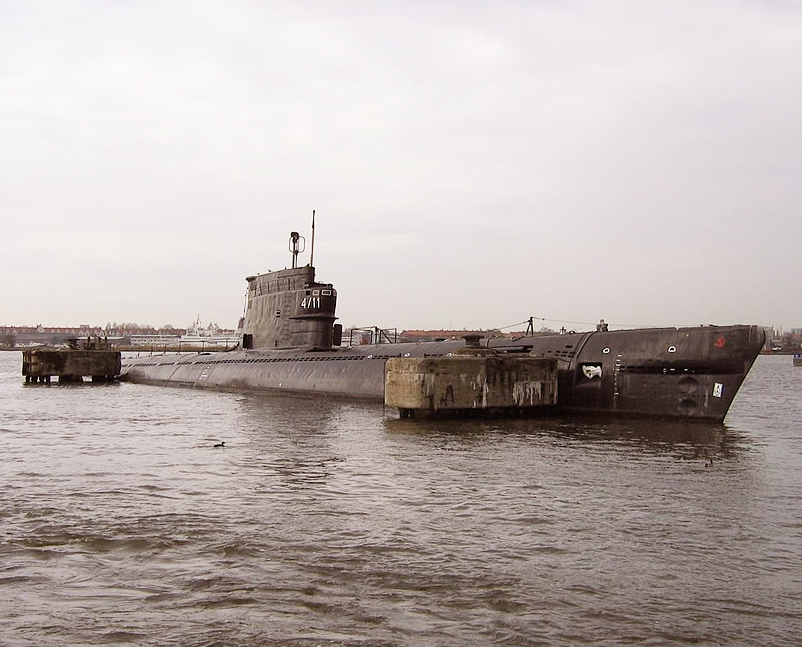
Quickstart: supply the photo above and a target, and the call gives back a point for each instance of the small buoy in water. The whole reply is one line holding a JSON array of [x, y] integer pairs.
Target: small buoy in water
[[709, 463], [221, 444]]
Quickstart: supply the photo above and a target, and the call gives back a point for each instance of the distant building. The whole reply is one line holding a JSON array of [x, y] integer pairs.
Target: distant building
[[13, 336], [125, 334]]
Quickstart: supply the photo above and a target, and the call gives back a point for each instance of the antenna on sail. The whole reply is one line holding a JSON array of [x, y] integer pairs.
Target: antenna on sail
[[295, 247], [312, 253]]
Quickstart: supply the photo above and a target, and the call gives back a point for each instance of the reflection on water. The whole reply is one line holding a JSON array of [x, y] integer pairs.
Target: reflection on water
[[325, 522], [683, 440]]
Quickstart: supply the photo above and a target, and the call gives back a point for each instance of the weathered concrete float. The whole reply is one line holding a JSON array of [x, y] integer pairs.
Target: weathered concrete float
[[472, 382], [91, 359], [290, 344]]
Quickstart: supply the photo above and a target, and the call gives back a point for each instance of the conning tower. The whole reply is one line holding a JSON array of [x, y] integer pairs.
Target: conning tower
[[289, 309]]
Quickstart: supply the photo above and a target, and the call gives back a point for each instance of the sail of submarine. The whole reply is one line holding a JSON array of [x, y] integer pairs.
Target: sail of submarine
[[290, 343]]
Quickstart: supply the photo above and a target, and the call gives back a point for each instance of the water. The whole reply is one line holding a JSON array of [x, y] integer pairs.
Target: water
[[333, 523]]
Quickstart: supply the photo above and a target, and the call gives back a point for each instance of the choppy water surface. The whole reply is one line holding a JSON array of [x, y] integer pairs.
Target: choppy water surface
[[332, 523]]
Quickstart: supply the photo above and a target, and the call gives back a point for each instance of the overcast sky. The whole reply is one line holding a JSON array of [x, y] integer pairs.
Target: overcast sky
[[471, 163]]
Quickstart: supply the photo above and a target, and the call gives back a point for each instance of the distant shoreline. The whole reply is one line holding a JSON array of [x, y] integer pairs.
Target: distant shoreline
[[154, 350], [157, 349]]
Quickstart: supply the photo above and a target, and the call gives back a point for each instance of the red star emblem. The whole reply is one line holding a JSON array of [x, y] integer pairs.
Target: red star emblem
[[720, 342]]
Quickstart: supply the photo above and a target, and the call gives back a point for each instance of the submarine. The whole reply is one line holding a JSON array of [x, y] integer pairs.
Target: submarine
[[290, 343]]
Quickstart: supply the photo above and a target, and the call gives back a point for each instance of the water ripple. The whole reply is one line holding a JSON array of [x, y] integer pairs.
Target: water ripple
[[332, 523]]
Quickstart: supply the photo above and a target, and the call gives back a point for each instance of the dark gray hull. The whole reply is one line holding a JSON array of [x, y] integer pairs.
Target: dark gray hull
[[688, 373]]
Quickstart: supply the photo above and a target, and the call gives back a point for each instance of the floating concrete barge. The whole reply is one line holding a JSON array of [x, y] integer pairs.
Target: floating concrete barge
[[93, 360], [473, 382]]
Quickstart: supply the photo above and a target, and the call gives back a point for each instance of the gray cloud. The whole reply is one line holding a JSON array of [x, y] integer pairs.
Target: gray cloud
[[471, 164]]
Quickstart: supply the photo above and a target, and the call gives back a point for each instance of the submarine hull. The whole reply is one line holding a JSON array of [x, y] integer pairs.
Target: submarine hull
[[686, 373]]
